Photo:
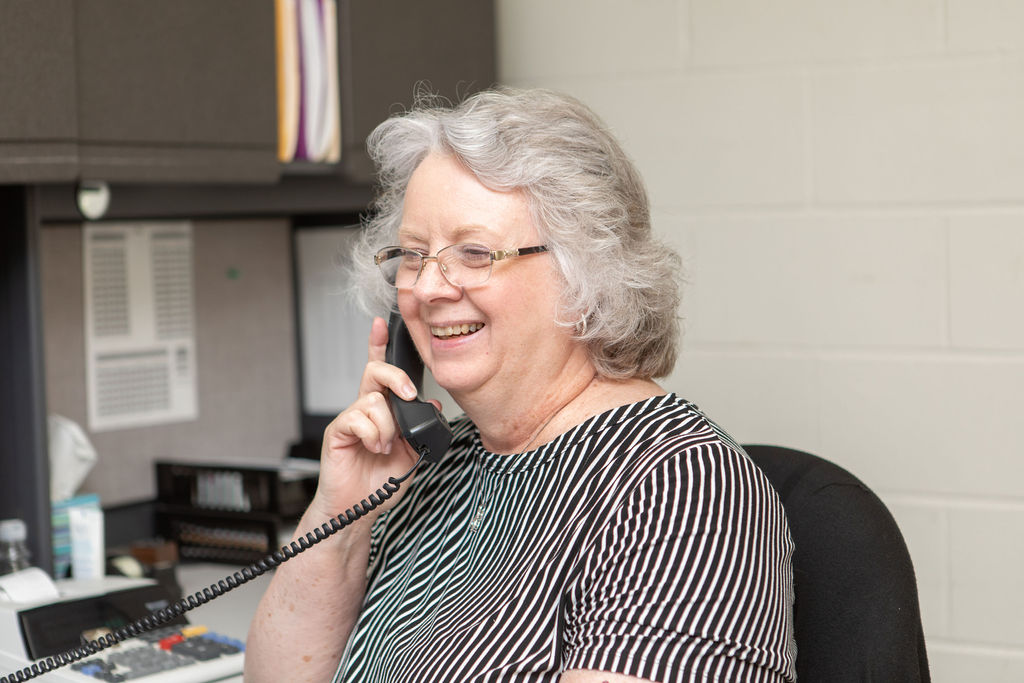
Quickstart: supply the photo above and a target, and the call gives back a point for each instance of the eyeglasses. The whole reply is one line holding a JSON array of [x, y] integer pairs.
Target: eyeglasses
[[463, 265]]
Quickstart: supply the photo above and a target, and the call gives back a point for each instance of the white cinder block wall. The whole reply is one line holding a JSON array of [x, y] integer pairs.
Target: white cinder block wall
[[846, 183]]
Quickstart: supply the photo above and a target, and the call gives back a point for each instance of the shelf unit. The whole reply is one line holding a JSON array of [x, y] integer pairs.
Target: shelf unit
[[174, 105]]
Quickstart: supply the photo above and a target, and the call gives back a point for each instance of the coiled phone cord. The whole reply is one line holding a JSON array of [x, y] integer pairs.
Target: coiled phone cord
[[246, 574]]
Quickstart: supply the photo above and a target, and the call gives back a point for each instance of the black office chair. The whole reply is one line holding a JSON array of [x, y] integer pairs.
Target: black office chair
[[857, 616]]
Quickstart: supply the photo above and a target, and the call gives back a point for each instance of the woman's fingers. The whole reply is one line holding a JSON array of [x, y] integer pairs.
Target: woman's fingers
[[368, 421], [379, 375], [362, 427], [380, 414], [378, 339]]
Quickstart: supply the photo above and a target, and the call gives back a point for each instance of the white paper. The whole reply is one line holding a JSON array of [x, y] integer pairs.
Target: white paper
[[140, 329], [334, 330], [27, 585], [314, 80], [332, 123]]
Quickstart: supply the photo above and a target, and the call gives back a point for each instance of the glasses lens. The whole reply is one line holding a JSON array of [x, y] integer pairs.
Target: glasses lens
[[466, 265], [398, 266]]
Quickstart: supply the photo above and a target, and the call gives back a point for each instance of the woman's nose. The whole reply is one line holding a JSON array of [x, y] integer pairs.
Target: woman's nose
[[433, 282]]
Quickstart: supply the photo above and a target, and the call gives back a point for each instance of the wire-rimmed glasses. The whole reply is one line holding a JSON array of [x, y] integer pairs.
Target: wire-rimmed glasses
[[463, 265]]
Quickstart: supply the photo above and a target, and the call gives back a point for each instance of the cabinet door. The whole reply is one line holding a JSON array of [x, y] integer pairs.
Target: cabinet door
[[387, 48], [183, 90], [38, 123]]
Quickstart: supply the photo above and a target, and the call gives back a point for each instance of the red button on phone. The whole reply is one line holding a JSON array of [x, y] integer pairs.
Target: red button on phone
[[170, 641]]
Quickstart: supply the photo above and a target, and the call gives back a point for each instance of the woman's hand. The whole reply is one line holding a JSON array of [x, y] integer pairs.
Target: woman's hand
[[362, 446]]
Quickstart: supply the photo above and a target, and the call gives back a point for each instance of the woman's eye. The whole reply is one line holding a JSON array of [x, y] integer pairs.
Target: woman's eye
[[410, 259], [475, 254]]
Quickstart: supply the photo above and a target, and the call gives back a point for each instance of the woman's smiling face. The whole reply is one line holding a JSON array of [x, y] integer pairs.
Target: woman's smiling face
[[498, 334]]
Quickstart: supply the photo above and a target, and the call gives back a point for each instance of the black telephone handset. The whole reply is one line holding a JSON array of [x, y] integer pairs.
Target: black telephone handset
[[422, 424]]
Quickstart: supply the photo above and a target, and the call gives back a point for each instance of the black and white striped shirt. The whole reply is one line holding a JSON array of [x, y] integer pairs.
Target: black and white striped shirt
[[642, 541]]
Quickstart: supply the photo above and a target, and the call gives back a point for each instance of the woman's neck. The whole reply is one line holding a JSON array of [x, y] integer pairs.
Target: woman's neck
[[515, 424]]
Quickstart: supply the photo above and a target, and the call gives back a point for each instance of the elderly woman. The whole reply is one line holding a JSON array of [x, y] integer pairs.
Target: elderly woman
[[584, 525]]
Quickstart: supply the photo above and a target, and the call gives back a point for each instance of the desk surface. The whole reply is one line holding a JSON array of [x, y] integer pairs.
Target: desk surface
[[229, 614]]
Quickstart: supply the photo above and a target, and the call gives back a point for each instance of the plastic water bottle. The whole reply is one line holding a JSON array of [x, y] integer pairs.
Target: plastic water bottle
[[14, 554]]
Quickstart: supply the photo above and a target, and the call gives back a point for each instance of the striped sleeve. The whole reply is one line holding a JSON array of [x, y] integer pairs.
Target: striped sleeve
[[689, 579]]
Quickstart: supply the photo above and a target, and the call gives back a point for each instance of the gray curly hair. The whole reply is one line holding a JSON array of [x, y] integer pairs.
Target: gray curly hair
[[586, 198]]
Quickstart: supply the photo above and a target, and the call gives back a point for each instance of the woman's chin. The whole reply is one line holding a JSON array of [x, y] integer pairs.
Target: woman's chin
[[455, 386], [456, 379]]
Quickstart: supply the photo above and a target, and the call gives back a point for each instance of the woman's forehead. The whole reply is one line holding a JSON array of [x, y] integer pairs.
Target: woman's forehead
[[445, 201], [472, 232]]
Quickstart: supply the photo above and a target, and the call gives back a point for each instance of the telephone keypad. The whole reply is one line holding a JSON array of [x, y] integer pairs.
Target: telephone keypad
[[161, 651]]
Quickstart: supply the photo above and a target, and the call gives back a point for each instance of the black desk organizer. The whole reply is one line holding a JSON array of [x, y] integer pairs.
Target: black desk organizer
[[228, 513]]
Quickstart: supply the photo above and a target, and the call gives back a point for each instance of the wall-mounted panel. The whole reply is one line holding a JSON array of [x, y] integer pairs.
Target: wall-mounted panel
[[38, 124], [177, 91]]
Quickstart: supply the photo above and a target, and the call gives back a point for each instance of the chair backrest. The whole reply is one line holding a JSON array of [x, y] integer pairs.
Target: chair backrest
[[857, 616]]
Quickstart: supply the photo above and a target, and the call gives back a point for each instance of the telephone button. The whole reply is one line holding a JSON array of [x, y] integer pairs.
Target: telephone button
[[170, 641]]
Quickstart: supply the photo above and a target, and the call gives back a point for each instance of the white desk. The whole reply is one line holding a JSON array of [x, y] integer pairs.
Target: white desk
[[229, 614]]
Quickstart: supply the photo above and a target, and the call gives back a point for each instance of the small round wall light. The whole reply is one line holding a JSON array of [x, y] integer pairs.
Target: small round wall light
[[93, 199]]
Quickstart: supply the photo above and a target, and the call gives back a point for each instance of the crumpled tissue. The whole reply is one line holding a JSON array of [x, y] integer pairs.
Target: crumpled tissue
[[72, 457]]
